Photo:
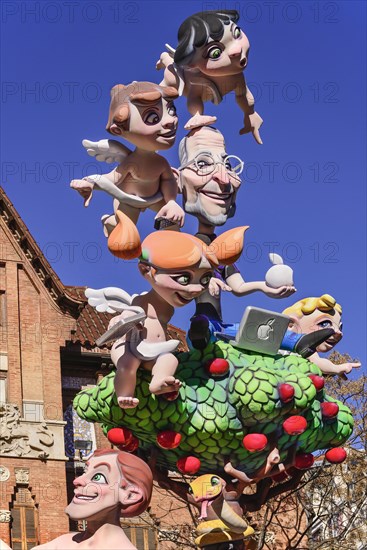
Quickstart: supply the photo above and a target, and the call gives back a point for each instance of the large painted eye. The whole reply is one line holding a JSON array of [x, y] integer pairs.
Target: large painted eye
[[325, 324], [236, 32], [182, 279], [151, 118], [214, 53], [190, 491], [215, 480], [99, 478], [205, 279], [171, 109]]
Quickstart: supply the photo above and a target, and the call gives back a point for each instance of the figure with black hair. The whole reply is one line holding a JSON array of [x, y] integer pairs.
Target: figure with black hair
[[208, 63]]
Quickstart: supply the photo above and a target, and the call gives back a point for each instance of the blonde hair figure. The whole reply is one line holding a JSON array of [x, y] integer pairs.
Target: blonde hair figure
[[315, 313]]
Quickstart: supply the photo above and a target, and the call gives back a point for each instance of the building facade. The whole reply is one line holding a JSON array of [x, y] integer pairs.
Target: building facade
[[47, 354]]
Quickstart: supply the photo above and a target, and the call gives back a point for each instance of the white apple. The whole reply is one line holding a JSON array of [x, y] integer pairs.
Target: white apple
[[279, 274]]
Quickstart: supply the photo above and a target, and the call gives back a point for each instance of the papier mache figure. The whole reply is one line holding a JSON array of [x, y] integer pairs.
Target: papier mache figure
[[208, 63], [209, 180], [221, 515], [144, 114], [178, 267], [315, 314], [115, 484]]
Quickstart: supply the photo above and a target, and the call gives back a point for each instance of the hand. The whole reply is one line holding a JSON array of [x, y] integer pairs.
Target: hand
[[84, 188], [252, 124], [216, 285], [172, 211], [345, 368], [281, 292]]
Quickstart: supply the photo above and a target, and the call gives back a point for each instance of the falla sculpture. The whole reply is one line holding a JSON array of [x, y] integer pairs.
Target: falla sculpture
[[314, 314], [235, 416], [178, 267], [114, 485], [144, 114], [208, 63]]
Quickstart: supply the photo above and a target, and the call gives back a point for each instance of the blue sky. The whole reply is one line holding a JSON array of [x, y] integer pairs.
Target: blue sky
[[303, 191]]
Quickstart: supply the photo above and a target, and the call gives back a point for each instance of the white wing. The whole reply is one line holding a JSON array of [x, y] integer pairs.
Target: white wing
[[111, 300], [106, 150]]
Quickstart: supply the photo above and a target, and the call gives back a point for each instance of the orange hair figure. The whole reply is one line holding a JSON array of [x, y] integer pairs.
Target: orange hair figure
[[172, 249], [178, 267]]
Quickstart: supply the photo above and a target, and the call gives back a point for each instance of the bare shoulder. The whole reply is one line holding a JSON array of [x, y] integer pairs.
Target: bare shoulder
[[60, 543]]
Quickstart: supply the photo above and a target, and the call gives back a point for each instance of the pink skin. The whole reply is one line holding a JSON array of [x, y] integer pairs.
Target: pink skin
[[317, 321], [233, 51], [271, 467], [152, 127], [98, 490], [170, 289], [215, 193], [180, 287], [99, 495], [143, 172]]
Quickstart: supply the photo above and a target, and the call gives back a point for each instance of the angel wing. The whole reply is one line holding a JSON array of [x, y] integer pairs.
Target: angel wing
[[106, 150], [111, 300]]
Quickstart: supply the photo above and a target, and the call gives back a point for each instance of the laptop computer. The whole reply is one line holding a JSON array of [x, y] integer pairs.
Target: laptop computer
[[261, 330]]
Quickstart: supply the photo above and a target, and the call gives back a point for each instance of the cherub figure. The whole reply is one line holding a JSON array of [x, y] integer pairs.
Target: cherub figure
[[144, 114], [313, 314], [115, 484], [178, 267], [208, 63]]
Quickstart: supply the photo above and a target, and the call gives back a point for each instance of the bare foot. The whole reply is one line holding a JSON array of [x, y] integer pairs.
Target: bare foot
[[199, 120], [164, 385], [127, 402]]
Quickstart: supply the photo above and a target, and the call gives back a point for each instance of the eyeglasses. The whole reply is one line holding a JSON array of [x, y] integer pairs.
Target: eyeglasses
[[205, 163]]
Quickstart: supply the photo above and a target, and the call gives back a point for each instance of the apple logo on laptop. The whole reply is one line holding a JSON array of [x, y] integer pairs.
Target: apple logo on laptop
[[264, 331]]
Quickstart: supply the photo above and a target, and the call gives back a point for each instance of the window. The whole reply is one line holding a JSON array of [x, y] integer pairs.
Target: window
[[142, 537], [24, 526]]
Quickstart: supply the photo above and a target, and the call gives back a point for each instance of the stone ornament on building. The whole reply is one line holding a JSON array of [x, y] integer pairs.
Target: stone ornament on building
[[20, 439], [5, 516], [4, 473], [21, 476]]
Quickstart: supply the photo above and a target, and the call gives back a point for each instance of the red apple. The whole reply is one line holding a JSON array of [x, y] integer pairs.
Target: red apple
[[255, 442], [304, 461], [318, 381], [132, 446], [168, 439], [295, 425], [336, 455], [329, 409], [188, 465], [119, 436], [286, 392], [171, 395], [217, 366]]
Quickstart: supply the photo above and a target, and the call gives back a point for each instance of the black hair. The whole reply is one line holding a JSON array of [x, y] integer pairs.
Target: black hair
[[196, 30]]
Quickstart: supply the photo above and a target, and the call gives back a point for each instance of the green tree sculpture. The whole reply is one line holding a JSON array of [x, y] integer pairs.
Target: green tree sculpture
[[227, 394]]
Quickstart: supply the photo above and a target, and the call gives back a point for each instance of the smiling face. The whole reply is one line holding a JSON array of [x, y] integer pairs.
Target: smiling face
[[225, 57], [316, 321], [207, 179], [179, 287], [98, 489], [152, 126]]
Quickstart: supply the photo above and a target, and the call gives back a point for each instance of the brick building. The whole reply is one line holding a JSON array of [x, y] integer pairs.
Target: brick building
[[47, 354]]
